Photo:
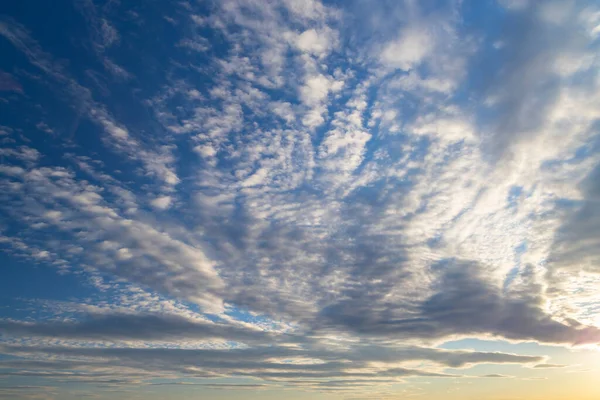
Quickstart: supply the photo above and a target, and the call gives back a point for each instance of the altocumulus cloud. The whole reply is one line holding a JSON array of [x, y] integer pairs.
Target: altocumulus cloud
[[299, 194]]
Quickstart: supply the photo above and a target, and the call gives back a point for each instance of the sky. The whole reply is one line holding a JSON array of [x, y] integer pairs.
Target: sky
[[267, 199]]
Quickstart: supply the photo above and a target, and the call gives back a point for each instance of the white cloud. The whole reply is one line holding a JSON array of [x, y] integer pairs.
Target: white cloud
[[314, 94], [310, 9], [447, 127], [116, 70], [318, 43], [162, 202], [23, 153], [206, 150], [124, 254], [198, 44], [590, 17], [411, 48], [284, 110], [256, 179], [110, 35], [117, 132], [315, 89]]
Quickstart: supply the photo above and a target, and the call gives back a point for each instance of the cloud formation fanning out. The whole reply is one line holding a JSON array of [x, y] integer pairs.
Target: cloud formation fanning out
[[296, 195]]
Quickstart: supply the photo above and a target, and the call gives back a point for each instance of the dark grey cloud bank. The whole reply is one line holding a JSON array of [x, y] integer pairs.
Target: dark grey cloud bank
[[113, 327], [320, 350], [255, 362], [465, 304], [577, 242]]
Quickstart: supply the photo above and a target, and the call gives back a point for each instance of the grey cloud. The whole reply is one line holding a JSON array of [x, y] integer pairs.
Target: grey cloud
[[9, 83], [309, 373], [196, 363], [356, 356], [156, 358], [221, 386], [523, 83], [132, 327], [465, 304], [136, 249], [543, 366], [455, 359], [257, 362], [216, 386], [577, 242]]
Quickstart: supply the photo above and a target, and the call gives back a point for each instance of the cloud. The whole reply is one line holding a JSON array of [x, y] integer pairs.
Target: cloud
[[162, 203], [9, 83], [543, 366], [314, 94], [409, 50], [108, 233], [156, 162], [464, 305], [318, 43], [23, 153], [201, 363], [353, 186], [523, 89], [119, 327], [103, 35], [221, 386], [496, 376], [198, 44], [577, 240]]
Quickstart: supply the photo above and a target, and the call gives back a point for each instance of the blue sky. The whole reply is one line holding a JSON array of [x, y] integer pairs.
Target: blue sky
[[337, 199]]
